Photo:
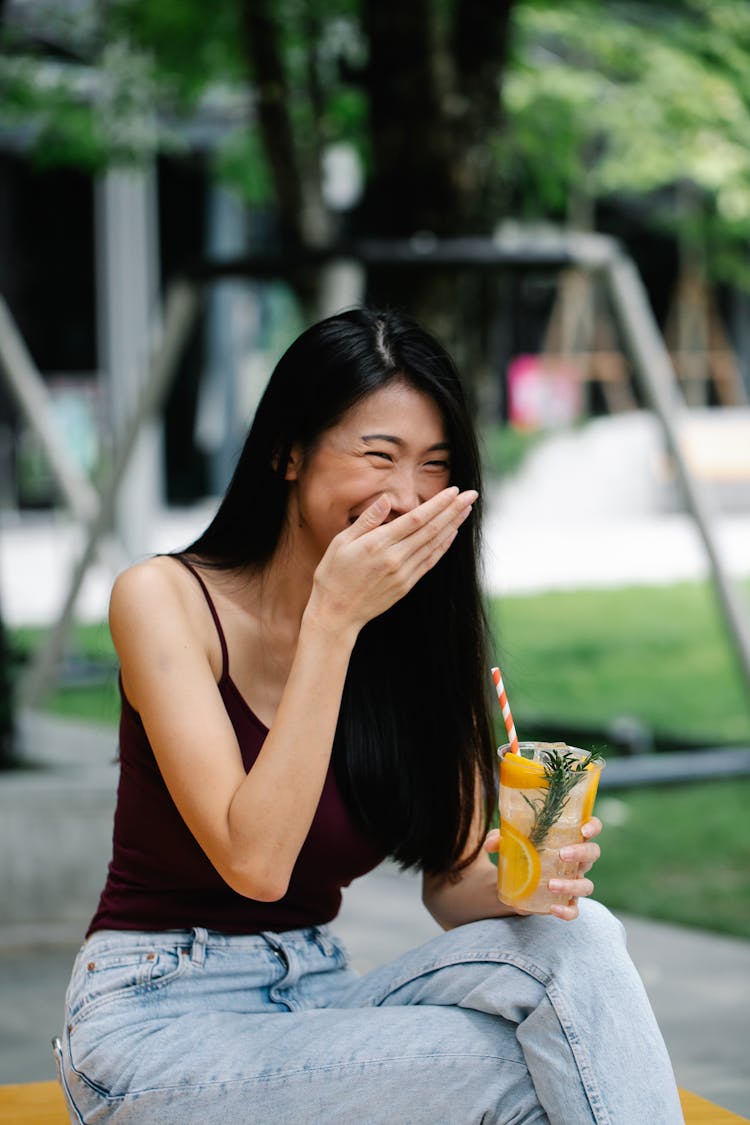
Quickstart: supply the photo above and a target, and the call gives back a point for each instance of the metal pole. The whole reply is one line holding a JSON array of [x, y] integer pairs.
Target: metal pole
[[182, 305], [127, 241], [33, 398], [654, 369]]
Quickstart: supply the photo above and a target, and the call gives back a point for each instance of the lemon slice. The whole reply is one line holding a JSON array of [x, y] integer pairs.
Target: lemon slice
[[518, 866]]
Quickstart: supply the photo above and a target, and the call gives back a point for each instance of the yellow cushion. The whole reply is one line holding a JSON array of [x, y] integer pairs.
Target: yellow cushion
[[41, 1103]]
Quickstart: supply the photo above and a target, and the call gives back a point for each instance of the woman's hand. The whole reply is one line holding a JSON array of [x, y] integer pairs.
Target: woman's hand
[[586, 854], [370, 565]]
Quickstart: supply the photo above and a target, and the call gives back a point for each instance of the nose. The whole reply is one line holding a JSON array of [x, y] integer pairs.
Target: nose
[[403, 492]]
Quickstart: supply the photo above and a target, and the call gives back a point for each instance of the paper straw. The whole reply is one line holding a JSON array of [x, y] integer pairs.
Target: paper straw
[[505, 707]]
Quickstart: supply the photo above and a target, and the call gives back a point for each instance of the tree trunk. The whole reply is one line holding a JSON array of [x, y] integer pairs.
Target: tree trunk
[[434, 98], [294, 168], [264, 55]]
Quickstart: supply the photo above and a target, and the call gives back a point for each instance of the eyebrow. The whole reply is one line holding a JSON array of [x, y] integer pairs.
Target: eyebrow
[[400, 441]]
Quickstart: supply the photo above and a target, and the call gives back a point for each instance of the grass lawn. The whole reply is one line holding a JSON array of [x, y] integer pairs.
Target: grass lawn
[[88, 683], [660, 654], [679, 853]]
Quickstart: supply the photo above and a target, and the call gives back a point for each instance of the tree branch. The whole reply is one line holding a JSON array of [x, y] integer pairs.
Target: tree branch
[[263, 50]]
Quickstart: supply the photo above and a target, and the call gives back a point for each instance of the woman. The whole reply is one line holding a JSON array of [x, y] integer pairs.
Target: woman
[[304, 693]]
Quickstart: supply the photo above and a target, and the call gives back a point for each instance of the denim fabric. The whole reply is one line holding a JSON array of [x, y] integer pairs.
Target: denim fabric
[[509, 1020]]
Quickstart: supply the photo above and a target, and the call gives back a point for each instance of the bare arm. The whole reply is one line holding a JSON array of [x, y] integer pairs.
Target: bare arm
[[252, 826]]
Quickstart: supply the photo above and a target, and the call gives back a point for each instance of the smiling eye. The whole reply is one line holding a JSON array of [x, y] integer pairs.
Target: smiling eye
[[379, 453], [442, 466]]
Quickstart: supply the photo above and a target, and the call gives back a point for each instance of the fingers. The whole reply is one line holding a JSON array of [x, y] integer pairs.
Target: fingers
[[421, 549], [580, 887], [574, 888], [591, 828], [371, 518], [423, 524], [567, 913], [585, 855], [492, 841]]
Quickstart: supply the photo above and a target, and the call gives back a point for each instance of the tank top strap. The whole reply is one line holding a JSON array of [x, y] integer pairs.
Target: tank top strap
[[214, 614]]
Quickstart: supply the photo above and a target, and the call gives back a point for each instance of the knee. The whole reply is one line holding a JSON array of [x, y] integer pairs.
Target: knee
[[597, 927], [598, 922]]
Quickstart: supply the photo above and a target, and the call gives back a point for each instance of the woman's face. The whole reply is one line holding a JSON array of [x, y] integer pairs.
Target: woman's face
[[394, 441]]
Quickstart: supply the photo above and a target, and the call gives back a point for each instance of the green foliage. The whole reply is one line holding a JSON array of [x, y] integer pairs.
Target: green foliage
[[241, 164], [636, 98], [646, 99], [680, 853], [146, 69], [87, 689], [191, 46], [85, 116]]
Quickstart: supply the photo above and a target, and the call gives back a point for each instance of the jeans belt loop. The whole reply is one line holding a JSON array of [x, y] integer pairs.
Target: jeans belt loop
[[198, 948]]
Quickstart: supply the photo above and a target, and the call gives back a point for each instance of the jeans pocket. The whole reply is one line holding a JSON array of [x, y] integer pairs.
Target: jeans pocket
[[103, 978], [167, 964]]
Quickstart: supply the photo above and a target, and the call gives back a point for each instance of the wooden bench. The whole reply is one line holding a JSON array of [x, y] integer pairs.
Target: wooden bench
[[41, 1103]]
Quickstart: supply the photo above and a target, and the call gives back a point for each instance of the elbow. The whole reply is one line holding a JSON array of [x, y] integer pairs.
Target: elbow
[[260, 885]]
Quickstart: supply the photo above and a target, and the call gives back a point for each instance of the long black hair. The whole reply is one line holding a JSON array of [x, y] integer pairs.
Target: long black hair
[[413, 746]]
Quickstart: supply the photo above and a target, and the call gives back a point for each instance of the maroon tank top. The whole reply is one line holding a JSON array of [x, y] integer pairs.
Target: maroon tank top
[[160, 879]]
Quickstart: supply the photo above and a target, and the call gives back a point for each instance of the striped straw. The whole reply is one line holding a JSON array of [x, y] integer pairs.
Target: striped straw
[[505, 707]]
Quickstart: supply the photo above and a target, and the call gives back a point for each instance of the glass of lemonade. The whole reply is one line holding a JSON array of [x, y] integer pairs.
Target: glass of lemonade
[[547, 792]]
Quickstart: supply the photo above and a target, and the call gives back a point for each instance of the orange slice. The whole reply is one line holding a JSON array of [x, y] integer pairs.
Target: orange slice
[[517, 772], [518, 866], [588, 801]]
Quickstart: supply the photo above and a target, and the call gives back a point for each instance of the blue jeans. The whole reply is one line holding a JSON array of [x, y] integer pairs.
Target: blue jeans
[[507, 1020]]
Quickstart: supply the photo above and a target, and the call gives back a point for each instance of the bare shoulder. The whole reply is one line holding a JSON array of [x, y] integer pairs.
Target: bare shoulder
[[155, 594], [160, 622], [149, 583]]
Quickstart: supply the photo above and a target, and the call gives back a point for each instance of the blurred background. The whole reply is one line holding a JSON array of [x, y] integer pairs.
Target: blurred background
[[562, 194]]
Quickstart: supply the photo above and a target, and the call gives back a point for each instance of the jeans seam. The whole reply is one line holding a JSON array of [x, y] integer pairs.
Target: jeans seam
[[580, 1055], [528, 967], [341, 1065]]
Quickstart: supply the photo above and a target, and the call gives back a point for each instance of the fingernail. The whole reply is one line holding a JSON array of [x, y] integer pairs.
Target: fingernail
[[567, 853]]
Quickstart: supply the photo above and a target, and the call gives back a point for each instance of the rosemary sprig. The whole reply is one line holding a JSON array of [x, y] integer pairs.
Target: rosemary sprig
[[562, 772]]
